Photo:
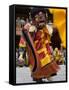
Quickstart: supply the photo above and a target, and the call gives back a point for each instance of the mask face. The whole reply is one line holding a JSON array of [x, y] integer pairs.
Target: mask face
[[40, 20]]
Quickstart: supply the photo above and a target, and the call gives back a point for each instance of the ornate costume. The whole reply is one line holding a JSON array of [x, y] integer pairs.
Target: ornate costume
[[41, 61], [46, 65]]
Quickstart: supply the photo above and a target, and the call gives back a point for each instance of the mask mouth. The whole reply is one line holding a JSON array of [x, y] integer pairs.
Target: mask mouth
[[42, 23]]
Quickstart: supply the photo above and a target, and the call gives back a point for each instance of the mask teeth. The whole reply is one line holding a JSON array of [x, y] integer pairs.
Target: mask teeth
[[41, 24]]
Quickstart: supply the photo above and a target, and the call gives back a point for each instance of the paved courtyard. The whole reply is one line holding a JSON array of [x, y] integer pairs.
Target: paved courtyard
[[23, 75]]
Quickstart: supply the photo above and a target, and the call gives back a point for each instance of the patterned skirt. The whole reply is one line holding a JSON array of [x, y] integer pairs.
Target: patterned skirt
[[46, 71]]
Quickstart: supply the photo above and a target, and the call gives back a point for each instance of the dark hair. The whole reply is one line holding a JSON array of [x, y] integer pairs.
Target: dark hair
[[55, 39], [36, 10]]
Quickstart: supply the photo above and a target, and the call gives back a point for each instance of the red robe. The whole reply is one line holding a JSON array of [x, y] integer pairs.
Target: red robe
[[45, 66]]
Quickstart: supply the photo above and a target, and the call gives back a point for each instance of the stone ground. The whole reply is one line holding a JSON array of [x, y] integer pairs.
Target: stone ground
[[23, 75]]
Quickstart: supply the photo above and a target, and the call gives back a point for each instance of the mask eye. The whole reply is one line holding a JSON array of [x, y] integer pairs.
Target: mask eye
[[36, 17]]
